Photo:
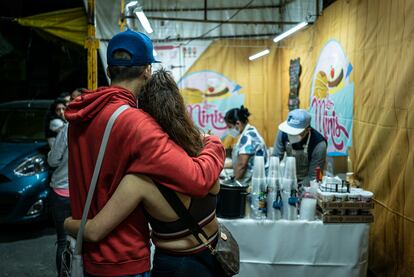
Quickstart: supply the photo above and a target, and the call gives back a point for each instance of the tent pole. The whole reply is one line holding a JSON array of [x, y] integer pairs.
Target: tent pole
[[122, 21], [92, 45]]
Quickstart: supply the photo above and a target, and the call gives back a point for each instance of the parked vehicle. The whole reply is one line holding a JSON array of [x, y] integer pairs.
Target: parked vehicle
[[24, 173]]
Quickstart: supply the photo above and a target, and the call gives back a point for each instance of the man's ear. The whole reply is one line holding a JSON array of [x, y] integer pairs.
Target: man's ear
[[148, 72], [108, 73]]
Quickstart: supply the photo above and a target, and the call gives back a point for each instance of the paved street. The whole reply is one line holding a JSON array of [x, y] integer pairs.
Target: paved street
[[27, 250]]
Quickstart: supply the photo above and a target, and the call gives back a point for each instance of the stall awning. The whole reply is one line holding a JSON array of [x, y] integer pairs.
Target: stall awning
[[70, 24]]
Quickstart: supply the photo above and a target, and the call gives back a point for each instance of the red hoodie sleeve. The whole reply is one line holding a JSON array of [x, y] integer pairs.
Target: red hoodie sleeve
[[157, 156]]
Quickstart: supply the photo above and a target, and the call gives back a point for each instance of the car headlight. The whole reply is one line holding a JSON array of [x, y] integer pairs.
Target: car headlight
[[31, 166]]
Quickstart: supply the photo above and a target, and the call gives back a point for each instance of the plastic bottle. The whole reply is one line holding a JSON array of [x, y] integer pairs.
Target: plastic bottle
[[349, 164], [258, 199], [318, 174], [308, 208], [258, 196]]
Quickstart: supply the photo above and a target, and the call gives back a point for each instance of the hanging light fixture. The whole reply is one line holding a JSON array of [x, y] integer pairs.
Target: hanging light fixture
[[260, 54], [139, 12], [129, 7], [290, 31]]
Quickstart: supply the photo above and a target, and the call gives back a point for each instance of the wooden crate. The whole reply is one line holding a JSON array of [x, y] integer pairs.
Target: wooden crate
[[366, 218], [333, 205]]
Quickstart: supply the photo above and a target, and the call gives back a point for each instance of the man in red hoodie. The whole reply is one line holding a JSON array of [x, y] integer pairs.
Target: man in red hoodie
[[136, 144]]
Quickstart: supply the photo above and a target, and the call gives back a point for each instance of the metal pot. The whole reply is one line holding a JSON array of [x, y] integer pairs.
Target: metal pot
[[231, 200]]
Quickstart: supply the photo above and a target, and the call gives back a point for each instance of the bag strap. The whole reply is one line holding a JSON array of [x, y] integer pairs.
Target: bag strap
[[185, 216], [79, 237]]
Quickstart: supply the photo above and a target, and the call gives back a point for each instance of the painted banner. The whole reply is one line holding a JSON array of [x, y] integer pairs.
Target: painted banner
[[332, 98], [208, 96]]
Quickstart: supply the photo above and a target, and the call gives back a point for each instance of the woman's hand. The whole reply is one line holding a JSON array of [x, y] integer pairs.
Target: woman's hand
[[241, 166], [228, 163], [216, 188], [72, 226]]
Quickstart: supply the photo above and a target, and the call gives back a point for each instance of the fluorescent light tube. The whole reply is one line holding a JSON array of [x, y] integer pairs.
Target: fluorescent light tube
[[131, 4], [290, 31], [144, 21], [260, 54]]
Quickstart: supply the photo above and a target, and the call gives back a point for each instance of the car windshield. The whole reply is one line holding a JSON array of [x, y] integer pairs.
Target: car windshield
[[22, 125]]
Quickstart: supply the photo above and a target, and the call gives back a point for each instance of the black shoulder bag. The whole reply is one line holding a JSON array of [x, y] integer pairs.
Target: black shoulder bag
[[227, 249]]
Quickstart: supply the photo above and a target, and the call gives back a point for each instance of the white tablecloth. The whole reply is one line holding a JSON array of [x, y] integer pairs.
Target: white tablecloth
[[300, 248]]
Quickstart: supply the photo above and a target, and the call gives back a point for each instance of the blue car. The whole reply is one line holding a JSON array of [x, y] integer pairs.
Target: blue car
[[24, 173]]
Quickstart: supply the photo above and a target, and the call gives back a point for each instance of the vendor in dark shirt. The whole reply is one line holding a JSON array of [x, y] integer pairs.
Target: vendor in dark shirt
[[298, 139]]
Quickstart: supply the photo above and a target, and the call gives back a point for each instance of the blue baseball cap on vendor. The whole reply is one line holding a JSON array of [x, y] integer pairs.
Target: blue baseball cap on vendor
[[297, 122], [136, 44]]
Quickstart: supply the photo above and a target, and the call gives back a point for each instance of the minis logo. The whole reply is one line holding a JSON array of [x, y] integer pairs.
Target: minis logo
[[332, 97]]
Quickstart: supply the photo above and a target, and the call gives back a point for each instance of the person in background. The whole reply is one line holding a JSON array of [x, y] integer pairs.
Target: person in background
[[298, 139], [58, 159], [136, 145], [249, 144], [177, 252], [55, 120], [65, 96], [75, 93], [59, 195]]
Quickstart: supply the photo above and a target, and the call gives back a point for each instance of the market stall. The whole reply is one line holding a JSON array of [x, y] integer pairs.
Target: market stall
[[318, 230], [300, 248]]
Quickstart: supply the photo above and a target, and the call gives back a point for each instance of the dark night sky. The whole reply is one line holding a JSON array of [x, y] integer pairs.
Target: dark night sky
[[39, 66]]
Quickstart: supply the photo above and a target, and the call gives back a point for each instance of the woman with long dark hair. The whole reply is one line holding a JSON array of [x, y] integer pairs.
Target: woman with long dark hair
[[177, 252]]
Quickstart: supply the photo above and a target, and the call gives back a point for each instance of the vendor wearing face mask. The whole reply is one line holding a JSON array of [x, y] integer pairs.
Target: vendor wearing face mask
[[298, 139], [249, 144]]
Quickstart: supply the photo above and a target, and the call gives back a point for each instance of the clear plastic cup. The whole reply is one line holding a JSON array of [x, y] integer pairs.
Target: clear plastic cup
[[308, 209], [290, 168], [258, 167], [340, 197], [274, 167], [354, 196], [366, 196]]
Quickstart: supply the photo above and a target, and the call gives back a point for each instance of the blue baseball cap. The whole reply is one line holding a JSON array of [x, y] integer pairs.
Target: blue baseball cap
[[137, 44], [298, 120]]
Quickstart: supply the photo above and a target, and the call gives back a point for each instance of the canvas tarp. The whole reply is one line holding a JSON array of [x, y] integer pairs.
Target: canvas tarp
[[70, 24]]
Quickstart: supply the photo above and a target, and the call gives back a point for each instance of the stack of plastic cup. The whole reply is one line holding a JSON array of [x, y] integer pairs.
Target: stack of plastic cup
[[289, 185], [259, 171], [272, 188], [285, 201], [290, 172], [274, 167], [308, 209], [258, 199], [282, 166]]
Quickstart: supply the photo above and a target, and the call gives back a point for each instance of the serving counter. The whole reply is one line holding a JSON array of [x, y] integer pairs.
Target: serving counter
[[300, 248]]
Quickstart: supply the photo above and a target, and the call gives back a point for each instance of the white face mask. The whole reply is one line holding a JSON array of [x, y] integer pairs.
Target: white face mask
[[234, 132], [294, 138]]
